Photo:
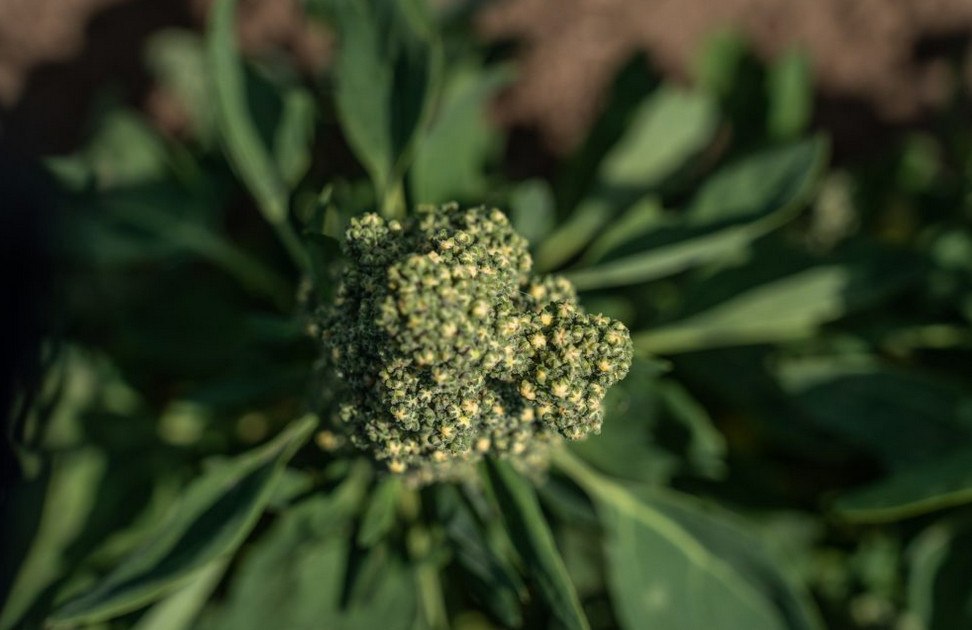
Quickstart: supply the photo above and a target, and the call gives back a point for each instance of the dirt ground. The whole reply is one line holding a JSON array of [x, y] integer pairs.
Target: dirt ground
[[887, 56], [884, 59]]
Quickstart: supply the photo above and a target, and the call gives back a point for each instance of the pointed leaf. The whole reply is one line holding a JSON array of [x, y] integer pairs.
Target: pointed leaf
[[215, 515], [531, 536]]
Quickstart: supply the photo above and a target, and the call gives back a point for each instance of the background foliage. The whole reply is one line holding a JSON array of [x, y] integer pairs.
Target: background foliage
[[792, 449]]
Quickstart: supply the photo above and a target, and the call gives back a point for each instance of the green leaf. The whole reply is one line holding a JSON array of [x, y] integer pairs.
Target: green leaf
[[300, 573], [660, 575], [293, 577], [379, 517], [215, 515], [640, 219], [532, 209], [939, 592], [386, 70], [451, 157], [904, 417], [179, 610], [245, 149], [531, 536], [177, 60], [941, 483], [788, 308], [790, 87], [294, 136], [739, 204], [494, 582], [71, 493], [752, 302], [667, 130]]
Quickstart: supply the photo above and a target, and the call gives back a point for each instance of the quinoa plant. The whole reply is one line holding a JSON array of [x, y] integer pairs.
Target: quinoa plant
[[340, 354], [451, 349]]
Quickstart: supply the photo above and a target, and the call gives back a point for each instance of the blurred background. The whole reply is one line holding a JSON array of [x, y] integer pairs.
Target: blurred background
[[831, 404]]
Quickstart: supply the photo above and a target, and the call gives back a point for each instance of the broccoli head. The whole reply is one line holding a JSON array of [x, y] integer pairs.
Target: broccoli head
[[449, 349]]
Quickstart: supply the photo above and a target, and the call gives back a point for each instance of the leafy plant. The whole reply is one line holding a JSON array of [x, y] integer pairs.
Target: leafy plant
[[290, 384]]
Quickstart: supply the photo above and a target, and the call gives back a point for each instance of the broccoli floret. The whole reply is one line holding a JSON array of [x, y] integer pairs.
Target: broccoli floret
[[449, 349]]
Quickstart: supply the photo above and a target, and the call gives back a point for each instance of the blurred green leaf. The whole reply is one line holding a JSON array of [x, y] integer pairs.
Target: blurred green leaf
[[732, 539], [379, 517], [754, 303], [943, 482], [493, 582], [790, 87], [302, 574], [707, 447], [179, 610], [739, 204], [386, 73], [532, 209], [641, 218], [214, 516], [71, 492], [294, 136], [789, 308], [245, 149], [531, 536], [939, 591], [669, 128], [902, 416], [659, 574], [177, 60], [451, 156]]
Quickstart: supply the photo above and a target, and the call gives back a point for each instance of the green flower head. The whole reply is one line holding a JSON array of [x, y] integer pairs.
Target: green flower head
[[450, 349]]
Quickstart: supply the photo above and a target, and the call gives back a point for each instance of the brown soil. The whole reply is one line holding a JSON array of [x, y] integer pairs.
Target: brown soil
[[56, 54], [873, 52]]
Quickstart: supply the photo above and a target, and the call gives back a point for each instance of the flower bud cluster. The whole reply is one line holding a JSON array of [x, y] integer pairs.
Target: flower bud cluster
[[450, 349]]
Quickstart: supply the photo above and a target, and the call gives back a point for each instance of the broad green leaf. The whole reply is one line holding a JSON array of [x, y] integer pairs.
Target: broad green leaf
[[573, 234], [214, 516], [739, 204], [904, 417], [940, 562], [177, 60], [752, 302], [641, 218], [379, 517], [294, 136], [245, 149], [531, 536], [772, 180], [943, 482], [179, 610], [293, 577], [451, 156], [386, 70], [732, 539], [667, 130], [661, 575], [308, 554], [789, 308], [123, 150], [532, 210], [71, 493], [790, 95]]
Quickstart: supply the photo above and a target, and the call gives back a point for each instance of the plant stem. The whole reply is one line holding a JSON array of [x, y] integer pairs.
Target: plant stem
[[293, 245], [393, 205]]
